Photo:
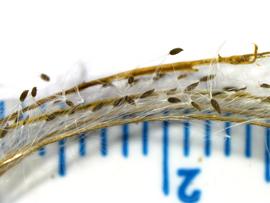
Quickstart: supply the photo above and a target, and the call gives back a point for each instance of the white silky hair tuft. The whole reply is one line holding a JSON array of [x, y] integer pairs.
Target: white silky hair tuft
[[206, 90]]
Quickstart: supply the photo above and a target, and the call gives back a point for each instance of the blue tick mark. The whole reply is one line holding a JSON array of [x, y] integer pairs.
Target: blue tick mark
[[227, 144], [82, 145], [207, 144], [145, 138], [248, 141], [165, 158], [125, 138], [2, 109], [62, 158], [42, 151], [103, 142], [267, 154], [186, 139]]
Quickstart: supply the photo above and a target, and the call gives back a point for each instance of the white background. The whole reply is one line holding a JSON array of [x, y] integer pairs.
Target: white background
[[54, 36]]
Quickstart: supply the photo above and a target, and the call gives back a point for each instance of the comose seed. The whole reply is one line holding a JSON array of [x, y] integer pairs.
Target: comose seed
[[171, 91], [267, 99], [158, 76], [196, 106], [131, 80], [129, 100], [3, 131], [73, 109], [173, 100], [34, 92], [265, 85], [118, 102], [233, 89], [191, 87], [215, 105], [69, 103], [230, 88], [44, 77], [207, 78], [175, 51], [50, 117], [147, 93], [108, 84], [23, 95], [217, 93], [97, 107], [182, 76]]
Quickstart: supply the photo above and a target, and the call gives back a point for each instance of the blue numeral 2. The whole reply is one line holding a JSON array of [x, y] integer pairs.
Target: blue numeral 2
[[188, 175]]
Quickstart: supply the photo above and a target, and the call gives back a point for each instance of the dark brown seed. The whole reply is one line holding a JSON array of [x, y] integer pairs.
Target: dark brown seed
[[243, 88], [118, 102], [23, 95], [44, 77], [17, 118], [57, 101], [207, 78], [191, 87], [3, 131], [50, 117], [131, 80], [107, 84], [265, 85], [69, 103], [73, 109], [175, 51], [182, 76], [171, 91], [158, 76], [97, 107], [196, 106], [173, 100], [129, 100], [267, 99], [217, 93], [147, 93], [241, 94], [233, 89], [230, 88], [26, 120], [34, 92], [215, 105]]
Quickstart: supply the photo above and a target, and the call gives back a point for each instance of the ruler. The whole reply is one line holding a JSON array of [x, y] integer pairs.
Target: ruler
[[189, 161]]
